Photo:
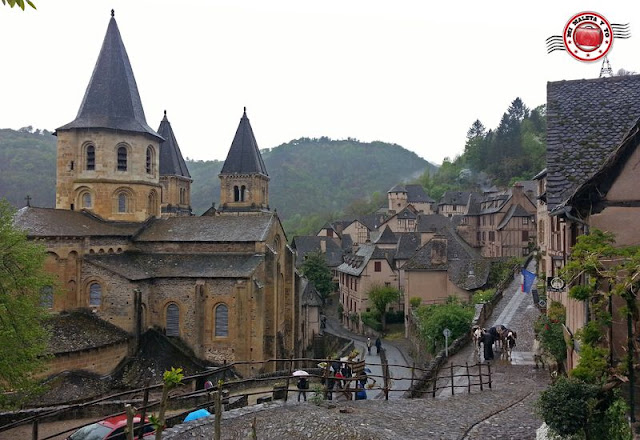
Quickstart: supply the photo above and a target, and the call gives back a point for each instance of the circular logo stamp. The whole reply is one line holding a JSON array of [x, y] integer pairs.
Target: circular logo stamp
[[588, 36]]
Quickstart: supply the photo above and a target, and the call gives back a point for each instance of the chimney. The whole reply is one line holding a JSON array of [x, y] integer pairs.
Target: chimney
[[323, 246], [439, 249]]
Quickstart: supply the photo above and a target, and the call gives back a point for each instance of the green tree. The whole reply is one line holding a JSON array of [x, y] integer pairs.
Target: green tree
[[19, 3], [22, 278], [315, 269], [433, 319], [381, 297]]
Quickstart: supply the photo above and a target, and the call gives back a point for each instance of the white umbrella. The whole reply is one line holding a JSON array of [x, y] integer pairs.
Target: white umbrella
[[300, 373]]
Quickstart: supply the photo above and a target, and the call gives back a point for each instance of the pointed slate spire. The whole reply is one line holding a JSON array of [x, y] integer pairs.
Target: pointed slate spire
[[112, 100], [244, 156], [171, 160]]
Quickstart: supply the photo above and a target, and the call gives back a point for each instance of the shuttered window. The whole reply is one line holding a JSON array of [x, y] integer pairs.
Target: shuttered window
[[222, 321], [95, 295], [173, 320], [122, 159]]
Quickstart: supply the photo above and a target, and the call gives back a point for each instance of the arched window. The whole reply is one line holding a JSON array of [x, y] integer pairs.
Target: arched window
[[152, 203], [222, 321], [86, 200], [95, 295], [122, 202], [236, 194], [122, 158], [46, 297], [91, 157], [149, 160], [242, 192], [173, 320]]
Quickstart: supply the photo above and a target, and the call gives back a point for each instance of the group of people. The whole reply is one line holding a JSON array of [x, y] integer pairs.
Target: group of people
[[500, 335], [378, 345]]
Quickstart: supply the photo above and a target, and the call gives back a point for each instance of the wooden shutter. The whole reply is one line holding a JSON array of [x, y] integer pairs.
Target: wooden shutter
[[173, 320], [222, 321]]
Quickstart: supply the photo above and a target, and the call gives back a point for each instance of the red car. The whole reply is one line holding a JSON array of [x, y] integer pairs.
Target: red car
[[111, 429]]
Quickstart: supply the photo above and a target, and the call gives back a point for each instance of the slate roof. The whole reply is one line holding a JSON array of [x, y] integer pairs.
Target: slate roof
[[244, 156], [305, 244], [454, 198], [49, 222], [310, 296], [416, 194], [171, 160], [464, 266], [354, 264], [408, 244], [398, 188], [222, 228], [387, 237], [141, 266], [372, 221], [112, 100], [475, 203], [78, 331], [586, 121], [514, 211], [432, 223], [408, 212]]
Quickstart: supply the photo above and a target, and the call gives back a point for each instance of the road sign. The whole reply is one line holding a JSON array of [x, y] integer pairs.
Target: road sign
[[446, 332]]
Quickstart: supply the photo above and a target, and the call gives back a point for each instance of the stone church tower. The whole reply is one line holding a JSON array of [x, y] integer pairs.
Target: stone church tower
[[244, 182], [174, 175], [108, 157]]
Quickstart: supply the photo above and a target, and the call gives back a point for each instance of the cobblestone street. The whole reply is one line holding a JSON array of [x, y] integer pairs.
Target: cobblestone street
[[503, 412]]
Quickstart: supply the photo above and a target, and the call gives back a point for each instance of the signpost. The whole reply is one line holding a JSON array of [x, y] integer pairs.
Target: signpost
[[447, 333]]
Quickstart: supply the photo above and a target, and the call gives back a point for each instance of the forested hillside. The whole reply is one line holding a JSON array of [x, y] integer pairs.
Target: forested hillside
[[513, 151], [312, 180]]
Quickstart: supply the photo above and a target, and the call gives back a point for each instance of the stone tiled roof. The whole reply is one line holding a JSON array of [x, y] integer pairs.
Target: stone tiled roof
[[171, 160], [514, 211], [416, 194], [306, 244], [222, 228], [454, 198], [244, 156], [408, 212], [49, 222], [112, 100], [475, 203], [399, 188], [432, 223], [408, 244], [77, 331], [354, 264], [310, 296], [387, 237], [372, 221], [140, 266], [464, 266], [586, 121]]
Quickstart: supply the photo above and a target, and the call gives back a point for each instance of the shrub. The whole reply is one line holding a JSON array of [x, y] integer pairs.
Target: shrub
[[414, 302], [433, 319], [395, 317], [483, 296], [372, 319], [551, 334], [593, 364]]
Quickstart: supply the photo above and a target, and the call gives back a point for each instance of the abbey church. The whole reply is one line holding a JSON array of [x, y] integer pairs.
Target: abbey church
[[124, 244]]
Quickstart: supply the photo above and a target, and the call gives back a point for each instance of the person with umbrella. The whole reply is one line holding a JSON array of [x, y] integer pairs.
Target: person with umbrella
[[303, 383]]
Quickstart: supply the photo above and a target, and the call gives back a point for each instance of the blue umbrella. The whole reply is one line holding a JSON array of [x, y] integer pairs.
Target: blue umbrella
[[367, 370], [197, 414]]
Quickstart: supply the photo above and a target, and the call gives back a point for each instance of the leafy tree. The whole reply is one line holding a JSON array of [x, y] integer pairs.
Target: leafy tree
[[381, 297], [170, 379], [19, 3], [433, 319], [22, 278], [318, 273]]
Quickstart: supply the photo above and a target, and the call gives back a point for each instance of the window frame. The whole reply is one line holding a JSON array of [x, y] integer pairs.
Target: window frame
[[216, 319]]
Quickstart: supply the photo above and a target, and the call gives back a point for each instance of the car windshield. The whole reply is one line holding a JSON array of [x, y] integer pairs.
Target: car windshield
[[95, 431]]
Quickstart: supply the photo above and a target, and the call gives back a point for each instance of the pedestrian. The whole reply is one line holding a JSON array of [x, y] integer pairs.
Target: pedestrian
[[369, 345], [303, 386], [208, 385], [487, 341], [378, 344]]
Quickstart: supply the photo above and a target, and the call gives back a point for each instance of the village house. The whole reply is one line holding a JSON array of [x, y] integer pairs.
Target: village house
[[453, 203], [590, 181], [500, 223], [402, 195], [123, 245]]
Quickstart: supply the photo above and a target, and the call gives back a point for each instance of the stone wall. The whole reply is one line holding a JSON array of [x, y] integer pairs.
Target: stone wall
[[100, 360]]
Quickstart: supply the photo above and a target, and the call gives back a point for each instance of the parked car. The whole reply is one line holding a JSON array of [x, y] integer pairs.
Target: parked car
[[109, 429]]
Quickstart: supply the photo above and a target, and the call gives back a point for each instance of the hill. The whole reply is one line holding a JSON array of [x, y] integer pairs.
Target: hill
[[308, 176]]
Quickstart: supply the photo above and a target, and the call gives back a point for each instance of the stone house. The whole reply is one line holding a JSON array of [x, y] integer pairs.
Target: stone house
[[500, 223], [402, 221], [361, 228], [590, 175], [123, 244], [402, 195]]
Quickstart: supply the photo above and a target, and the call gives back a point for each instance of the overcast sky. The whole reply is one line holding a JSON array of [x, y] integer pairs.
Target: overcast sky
[[402, 71]]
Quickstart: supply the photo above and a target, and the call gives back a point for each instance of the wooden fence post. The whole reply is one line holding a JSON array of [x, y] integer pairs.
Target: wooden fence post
[[145, 402], [218, 412], [489, 367], [286, 391], [34, 430], [468, 378], [480, 374], [452, 384], [435, 379], [413, 367], [326, 382]]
